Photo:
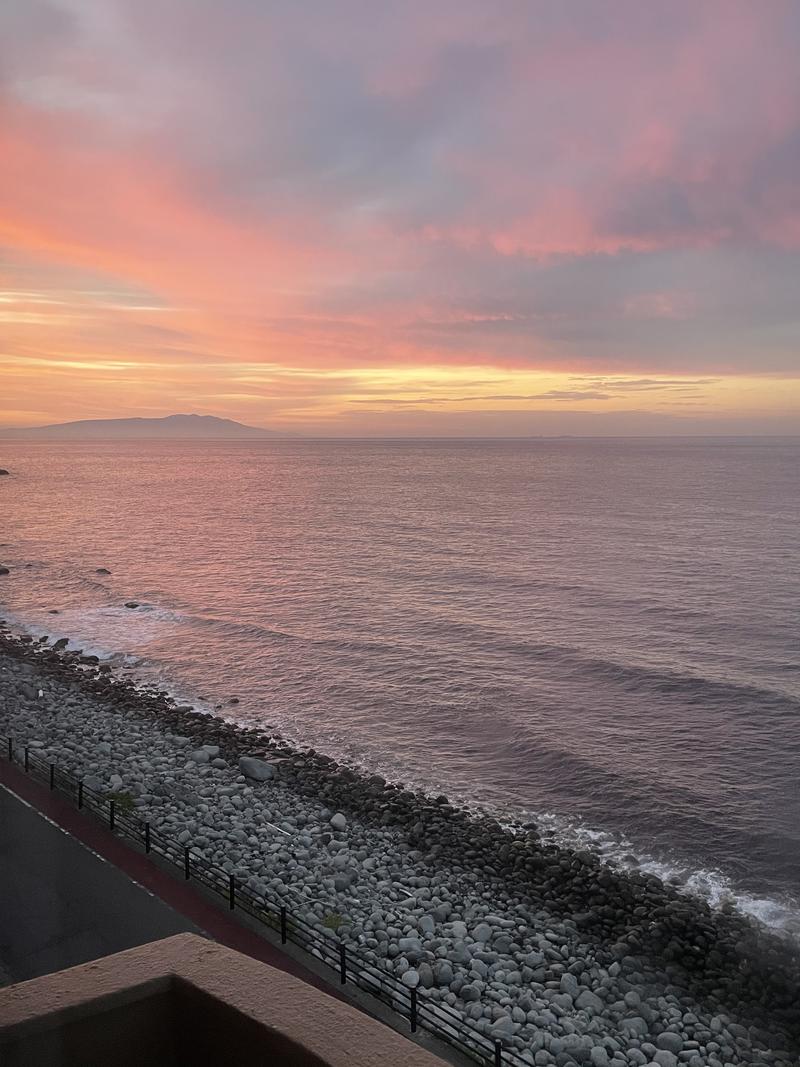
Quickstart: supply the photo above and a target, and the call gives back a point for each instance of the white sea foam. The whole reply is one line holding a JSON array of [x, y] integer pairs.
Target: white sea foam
[[717, 889], [713, 886], [710, 885], [80, 628]]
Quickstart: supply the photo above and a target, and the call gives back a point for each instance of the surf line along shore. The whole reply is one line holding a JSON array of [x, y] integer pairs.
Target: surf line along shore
[[568, 960]]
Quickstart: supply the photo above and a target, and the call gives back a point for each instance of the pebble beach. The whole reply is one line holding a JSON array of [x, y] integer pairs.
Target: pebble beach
[[568, 960]]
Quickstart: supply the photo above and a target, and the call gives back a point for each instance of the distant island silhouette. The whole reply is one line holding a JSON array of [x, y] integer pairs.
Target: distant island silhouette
[[173, 427]]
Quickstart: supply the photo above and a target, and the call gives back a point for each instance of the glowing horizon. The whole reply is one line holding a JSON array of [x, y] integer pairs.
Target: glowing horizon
[[574, 218]]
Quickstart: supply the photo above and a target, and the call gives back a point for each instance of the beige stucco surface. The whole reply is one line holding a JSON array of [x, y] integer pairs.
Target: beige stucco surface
[[319, 1024]]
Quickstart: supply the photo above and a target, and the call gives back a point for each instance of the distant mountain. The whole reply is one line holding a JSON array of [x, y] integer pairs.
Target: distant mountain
[[172, 427]]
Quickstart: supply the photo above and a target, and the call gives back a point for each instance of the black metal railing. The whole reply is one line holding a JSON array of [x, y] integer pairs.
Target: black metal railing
[[345, 960]]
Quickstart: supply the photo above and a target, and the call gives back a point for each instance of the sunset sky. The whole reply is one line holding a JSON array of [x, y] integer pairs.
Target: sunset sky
[[378, 217]]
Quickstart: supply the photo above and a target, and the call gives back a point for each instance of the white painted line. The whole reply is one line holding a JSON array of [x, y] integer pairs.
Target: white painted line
[[97, 855]]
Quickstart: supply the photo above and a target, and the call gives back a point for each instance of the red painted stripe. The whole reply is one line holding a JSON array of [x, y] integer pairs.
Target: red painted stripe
[[177, 894]]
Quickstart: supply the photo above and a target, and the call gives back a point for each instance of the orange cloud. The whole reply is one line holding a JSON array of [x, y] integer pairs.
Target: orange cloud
[[194, 196]]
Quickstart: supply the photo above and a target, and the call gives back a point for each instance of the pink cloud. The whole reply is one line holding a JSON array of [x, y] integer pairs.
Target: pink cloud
[[529, 184]]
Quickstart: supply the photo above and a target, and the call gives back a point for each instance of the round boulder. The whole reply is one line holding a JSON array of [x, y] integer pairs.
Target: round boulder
[[670, 1042], [257, 770], [665, 1059], [482, 933], [586, 999]]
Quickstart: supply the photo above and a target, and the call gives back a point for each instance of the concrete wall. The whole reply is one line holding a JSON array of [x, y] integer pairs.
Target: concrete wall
[[186, 1000]]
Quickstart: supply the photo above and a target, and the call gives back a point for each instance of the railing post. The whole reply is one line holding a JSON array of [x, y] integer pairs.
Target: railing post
[[68, 779]]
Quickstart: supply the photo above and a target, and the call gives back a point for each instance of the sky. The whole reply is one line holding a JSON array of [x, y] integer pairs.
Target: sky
[[352, 218]]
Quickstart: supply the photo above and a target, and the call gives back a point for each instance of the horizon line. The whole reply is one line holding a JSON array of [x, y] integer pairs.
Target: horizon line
[[278, 435]]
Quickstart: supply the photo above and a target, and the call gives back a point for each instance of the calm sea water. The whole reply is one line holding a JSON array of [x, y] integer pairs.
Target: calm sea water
[[601, 634]]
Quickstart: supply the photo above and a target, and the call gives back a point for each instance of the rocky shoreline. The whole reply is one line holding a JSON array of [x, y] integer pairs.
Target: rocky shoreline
[[569, 961]]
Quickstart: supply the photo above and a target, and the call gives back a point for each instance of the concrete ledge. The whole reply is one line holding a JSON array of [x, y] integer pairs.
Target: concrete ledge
[[187, 1000]]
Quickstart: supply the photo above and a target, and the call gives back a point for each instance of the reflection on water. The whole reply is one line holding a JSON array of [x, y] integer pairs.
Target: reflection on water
[[602, 631]]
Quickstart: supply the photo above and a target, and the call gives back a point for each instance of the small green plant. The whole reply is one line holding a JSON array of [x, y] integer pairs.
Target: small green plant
[[122, 801], [333, 920]]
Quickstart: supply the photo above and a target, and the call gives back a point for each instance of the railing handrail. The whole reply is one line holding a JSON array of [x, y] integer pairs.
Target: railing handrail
[[340, 955]]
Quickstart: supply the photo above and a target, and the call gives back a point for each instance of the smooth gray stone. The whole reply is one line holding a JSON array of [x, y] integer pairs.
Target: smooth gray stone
[[482, 932], [635, 1024], [569, 984], [504, 1026], [459, 953], [257, 770], [665, 1059], [427, 925], [670, 1041]]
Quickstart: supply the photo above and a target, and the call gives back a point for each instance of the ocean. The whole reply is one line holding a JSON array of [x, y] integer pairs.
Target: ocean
[[599, 635]]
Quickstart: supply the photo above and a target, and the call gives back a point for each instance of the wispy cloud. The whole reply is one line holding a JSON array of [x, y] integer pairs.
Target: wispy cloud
[[551, 394], [620, 385], [604, 193]]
